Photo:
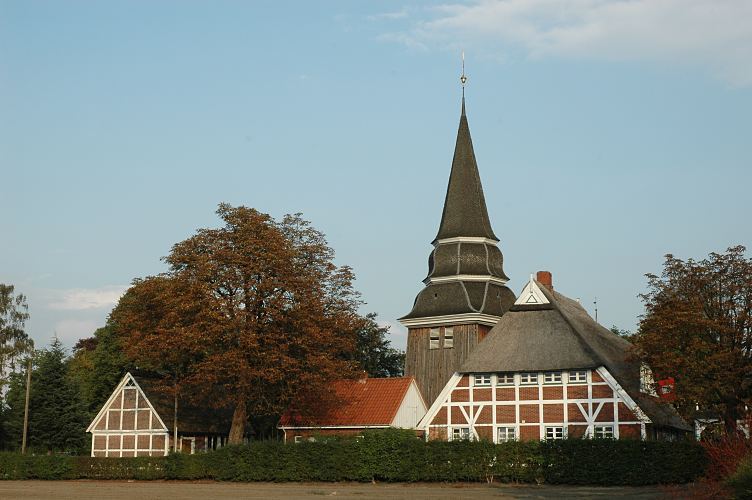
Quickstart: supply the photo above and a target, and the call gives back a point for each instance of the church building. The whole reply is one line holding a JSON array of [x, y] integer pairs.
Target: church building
[[498, 367]]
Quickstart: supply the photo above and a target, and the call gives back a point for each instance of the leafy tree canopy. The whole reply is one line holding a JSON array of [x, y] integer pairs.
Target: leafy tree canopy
[[697, 328], [14, 342], [250, 315], [97, 365], [374, 351]]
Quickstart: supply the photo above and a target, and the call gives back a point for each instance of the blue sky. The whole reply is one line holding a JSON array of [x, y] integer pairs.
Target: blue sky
[[608, 133]]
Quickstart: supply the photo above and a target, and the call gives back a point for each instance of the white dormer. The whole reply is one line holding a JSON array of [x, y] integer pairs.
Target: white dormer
[[531, 295]]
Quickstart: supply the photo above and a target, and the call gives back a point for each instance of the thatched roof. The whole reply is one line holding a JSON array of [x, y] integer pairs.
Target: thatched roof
[[561, 335]]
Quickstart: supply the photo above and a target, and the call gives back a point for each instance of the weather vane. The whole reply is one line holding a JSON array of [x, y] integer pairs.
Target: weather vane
[[463, 77]]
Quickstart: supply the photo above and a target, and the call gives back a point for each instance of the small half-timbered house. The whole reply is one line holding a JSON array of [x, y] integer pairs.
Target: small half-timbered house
[[547, 370], [139, 421], [359, 405]]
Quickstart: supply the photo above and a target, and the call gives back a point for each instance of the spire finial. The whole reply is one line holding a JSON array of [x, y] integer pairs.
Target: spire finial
[[463, 81]]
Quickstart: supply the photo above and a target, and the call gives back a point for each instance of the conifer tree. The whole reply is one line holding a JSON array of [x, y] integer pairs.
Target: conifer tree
[[57, 416]]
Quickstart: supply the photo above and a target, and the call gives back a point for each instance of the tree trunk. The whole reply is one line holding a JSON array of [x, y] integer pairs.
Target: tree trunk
[[237, 430], [729, 421], [175, 422]]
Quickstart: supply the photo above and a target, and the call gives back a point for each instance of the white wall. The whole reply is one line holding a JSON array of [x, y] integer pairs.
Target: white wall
[[411, 410]]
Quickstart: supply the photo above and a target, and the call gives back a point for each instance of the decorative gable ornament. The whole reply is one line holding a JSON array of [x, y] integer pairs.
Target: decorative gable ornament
[[531, 295]]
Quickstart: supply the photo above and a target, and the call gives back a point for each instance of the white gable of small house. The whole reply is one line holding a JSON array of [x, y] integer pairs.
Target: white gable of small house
[[531, 295], [127, 425], [127, 409], [411, 409]]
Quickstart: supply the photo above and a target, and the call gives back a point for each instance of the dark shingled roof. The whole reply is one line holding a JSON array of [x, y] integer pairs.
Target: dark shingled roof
[[460, 297], [465, 212], [563, 337], [464, 215]]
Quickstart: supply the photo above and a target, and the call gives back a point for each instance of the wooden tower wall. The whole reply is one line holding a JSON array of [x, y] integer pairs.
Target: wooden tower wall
[[432, 368]]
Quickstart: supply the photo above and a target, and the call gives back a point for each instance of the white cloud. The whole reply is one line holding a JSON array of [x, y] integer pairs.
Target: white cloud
[[715, 35], [400, 14], [80, 299]]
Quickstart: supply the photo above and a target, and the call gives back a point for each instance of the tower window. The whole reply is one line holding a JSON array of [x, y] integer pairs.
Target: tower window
[[434, 339], [449, 336]]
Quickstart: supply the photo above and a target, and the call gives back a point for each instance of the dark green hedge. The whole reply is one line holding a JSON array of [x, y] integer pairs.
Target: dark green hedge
[[392, 456]]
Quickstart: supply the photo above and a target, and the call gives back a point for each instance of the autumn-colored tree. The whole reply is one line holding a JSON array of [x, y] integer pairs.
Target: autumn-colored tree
[[250, 315], [697, 328]]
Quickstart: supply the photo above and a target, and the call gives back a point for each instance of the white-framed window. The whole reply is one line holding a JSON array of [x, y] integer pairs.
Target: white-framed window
[[507, 434], [505, 379], [554, 432], [528, 378], [434, 339], [603, 431], [461, 434], [298, 439], [482, 379], [577, 377], [552, 377], [449, 337]]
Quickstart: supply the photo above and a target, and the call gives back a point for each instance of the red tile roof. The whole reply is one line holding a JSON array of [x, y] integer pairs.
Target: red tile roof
[[363, 402]]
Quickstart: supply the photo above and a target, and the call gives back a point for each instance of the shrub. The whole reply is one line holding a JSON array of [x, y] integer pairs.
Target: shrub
[[392, 456], [625, 462], [740, 481], [142, 468], [725, 453], [17, 466]]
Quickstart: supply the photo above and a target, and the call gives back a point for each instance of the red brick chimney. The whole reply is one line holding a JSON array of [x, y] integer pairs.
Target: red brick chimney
[[545, 279]]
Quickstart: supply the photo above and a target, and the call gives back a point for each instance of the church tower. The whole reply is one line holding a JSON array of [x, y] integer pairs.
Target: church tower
[[465, 292]]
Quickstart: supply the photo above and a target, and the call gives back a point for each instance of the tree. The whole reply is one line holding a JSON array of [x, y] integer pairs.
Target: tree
[[57, 416], [628, 335], [250, 315], [14, 342], [697, 328], [97, 365], [374, 351]]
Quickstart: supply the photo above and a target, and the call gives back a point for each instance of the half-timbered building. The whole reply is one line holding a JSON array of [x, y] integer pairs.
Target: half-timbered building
[[547, 370], [139, 421]]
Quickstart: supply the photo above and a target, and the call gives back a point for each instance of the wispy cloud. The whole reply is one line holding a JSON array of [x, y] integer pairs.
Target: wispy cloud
[[400, 14], [715, 35], [81, 299]]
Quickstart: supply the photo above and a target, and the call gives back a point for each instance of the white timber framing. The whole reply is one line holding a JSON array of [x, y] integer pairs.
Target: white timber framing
[[156, 427], [590, 407]]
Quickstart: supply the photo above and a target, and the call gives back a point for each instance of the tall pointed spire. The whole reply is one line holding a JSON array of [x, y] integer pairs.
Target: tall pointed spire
[[465, 292], [465, 212]]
